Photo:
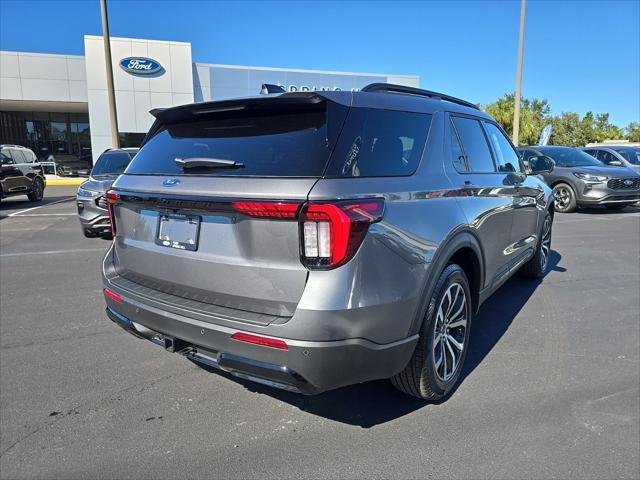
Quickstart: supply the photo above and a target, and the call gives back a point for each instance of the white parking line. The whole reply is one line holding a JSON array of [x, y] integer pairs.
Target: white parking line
[[39, 206], [53, 252], [47, 215]]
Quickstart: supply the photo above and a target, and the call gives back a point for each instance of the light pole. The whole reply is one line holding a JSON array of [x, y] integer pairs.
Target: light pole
[[516, 110], [113, 117]]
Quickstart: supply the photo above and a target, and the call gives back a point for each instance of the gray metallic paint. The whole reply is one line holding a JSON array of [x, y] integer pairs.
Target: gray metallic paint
[[375, 301]]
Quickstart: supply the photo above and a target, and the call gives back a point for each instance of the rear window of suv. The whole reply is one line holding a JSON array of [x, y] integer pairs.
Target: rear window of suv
[[276, 140], [296, 140]]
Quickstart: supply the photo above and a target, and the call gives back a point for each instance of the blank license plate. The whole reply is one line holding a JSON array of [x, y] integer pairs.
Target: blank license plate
[[178, 231]]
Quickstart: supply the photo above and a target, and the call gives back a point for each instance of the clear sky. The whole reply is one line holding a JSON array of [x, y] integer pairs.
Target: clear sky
[[579, 55]]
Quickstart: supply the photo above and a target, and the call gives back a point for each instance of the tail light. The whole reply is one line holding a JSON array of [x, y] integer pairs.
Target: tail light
[[332, 232], [112, 295], [259, 340], [112, 198]]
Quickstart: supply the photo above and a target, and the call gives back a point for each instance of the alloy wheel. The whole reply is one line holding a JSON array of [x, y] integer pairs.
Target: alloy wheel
[[450, 332], [545, 246], [562, 197]]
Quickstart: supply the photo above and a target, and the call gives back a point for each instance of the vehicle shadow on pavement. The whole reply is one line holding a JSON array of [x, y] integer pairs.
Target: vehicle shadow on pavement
[[606, 211], [11, 205], [373, 403]]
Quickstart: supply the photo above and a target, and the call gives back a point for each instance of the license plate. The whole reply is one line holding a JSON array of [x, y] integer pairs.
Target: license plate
[[178, 231]]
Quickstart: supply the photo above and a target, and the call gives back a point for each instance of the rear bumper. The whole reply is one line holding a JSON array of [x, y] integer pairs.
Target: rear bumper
[[305, 367]]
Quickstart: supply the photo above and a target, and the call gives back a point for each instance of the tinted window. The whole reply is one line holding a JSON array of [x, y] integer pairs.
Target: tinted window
[[606, 157], [506, 157], [631, 154], [593, 153], [474, 144], [570, 157], [111, 163], [279, 139], [457, 155], [31, 157], [379, 143]]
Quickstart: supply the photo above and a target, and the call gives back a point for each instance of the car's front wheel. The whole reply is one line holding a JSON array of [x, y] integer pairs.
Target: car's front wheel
[[564, 198], [537, 266], [434, 368], [37, 191]]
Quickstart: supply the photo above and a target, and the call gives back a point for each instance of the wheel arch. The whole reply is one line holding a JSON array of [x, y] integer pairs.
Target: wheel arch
[[462, 248]]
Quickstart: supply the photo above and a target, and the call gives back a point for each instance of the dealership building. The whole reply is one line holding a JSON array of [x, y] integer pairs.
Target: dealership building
[[58, 104]]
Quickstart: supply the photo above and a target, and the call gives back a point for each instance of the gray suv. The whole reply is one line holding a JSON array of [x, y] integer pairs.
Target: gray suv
[[90, 198], [578, 179], [312, 240]]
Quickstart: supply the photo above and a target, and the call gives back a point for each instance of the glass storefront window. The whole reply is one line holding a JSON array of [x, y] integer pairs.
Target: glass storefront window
[[48, 133]]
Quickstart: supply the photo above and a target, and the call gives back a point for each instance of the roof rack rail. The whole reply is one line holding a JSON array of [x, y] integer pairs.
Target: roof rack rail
[[390, 87]]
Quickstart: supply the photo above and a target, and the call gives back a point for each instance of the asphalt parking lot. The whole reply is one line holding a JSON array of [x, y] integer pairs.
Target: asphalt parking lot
[[551, 388]]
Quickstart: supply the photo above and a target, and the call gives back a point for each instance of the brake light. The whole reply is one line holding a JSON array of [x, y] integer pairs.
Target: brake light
[[258, 340], [332, 232], [112, 197], [112, 295], [280, 210]]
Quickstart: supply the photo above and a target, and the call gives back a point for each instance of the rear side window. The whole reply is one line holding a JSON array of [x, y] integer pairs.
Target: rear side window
[[474, 144], [506, 156], [279, 139], [379, 143], [111, 163]]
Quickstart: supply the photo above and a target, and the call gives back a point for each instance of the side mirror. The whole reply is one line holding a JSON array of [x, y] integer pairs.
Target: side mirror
[[615, 163], [541, 164]]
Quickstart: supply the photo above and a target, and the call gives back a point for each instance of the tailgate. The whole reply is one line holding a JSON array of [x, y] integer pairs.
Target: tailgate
[[238, 261]]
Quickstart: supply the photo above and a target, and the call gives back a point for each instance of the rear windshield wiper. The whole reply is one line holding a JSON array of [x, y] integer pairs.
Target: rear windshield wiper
[[203, 162]]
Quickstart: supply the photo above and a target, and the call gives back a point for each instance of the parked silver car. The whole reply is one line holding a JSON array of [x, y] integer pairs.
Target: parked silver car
[[581, 180], [318, 239], [90, 198], [617, 155]]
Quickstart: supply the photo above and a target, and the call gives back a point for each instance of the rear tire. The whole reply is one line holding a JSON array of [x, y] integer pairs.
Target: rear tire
[[617, 206], [434, 368], [564, 198], [37, 191], [537, 266]]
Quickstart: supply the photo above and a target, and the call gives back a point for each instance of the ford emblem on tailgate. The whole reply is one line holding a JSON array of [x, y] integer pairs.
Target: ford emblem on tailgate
[[140, 66], [171, 182]]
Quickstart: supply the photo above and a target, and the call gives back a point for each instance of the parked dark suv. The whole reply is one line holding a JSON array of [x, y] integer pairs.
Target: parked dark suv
[[311, 240], [581, 180], [20, 173]]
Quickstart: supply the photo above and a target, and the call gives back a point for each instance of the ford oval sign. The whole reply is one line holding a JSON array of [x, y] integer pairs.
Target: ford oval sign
[[140, 66], [171, 182]]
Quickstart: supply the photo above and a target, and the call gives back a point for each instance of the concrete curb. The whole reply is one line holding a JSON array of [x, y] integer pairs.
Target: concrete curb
[[65, 182]]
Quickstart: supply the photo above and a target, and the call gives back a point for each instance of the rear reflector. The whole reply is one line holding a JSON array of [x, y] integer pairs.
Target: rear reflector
[[112, 295], [278, 210], [258, 340]]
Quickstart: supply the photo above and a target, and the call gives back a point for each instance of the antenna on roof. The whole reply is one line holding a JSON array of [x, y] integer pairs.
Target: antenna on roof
[[268, 88]]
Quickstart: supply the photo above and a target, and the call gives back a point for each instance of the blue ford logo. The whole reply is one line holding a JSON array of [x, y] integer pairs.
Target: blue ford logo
[[171, 182], [140, 66], [628, 182]]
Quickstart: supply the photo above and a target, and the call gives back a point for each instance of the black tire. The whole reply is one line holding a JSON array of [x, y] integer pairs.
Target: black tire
[[421, 377], [37, 191], [89, 234], [564, 198], [538, 265], [617, 206]]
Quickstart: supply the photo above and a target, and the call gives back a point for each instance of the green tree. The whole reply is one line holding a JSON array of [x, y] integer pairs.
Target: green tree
[[534, 115], [633, 132]]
